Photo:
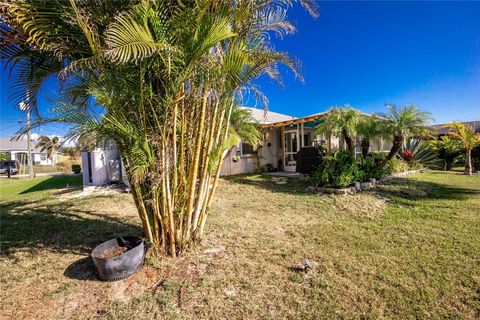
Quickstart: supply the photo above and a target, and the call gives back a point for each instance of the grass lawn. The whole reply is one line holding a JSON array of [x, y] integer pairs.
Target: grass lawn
[[389, 253]]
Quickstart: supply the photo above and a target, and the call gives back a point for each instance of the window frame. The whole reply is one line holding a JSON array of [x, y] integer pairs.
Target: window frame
[[245, 155]]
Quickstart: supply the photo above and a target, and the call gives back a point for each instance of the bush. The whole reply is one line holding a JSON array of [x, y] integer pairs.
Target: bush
[[370, 166], [266, 167], [396, 166], [76, 168], [338, 169]]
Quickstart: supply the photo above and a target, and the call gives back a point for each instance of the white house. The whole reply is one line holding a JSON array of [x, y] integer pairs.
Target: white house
[[284, 136], [18, 150]]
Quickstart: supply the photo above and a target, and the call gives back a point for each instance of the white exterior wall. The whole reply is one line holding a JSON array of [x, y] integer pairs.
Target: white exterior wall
[[268, 154], [105, 166], [38, 158]]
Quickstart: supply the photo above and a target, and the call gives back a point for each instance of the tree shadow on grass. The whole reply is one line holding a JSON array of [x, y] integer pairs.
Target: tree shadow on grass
[[55, 182], [404, 191], [395, 190], [273, 184], [29, 225], [82, 269]]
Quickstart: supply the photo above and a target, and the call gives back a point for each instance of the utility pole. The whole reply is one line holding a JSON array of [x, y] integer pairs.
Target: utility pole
[[24, 107]]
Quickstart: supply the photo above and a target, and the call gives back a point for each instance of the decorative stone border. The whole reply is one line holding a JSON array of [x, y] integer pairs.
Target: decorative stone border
[[364, 185], [402, 174]]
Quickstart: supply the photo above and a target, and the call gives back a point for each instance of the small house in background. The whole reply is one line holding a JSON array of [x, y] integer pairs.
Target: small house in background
[[283, 137], [442, 129], [18, 150]]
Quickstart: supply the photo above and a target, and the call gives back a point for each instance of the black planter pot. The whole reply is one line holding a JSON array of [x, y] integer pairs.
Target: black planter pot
[[120, 266]]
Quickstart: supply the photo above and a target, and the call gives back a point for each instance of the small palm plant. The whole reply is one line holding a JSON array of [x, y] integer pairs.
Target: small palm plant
[[447, 149], [50, 144], [468, 138], [341, 122], [371, 130], [403, 123]]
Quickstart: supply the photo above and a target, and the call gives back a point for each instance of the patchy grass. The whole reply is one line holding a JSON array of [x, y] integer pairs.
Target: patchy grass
[[389, 253]]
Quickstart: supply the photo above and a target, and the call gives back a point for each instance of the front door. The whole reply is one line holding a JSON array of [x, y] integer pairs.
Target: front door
[[290, 149]]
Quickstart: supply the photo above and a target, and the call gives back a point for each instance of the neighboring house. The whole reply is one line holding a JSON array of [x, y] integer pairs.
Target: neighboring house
[[443, 128], [18, 150], [284, 135]]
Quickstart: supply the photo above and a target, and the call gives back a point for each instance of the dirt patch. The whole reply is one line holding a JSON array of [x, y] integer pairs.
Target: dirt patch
[[113, 252], [363, 204]]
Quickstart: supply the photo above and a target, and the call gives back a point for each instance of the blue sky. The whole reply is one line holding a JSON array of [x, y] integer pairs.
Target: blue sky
[[367, 54]]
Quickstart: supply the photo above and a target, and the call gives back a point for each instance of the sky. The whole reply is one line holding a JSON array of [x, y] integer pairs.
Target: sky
[[364, 54]]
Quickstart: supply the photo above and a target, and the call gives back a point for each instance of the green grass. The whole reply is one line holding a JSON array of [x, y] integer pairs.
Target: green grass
[[41, 187], [392, 253]]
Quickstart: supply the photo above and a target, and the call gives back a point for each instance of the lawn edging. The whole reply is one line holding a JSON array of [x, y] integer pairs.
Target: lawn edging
[[359, 186]]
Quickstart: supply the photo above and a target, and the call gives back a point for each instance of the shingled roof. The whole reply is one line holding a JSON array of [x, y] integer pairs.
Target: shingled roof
[[443, 128], [20, 145], [268, 117]]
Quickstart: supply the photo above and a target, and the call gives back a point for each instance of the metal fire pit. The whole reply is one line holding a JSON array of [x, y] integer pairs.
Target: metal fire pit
[[120, 266]]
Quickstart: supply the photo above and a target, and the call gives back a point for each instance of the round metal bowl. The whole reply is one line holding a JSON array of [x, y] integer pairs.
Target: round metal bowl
[[120, 266]]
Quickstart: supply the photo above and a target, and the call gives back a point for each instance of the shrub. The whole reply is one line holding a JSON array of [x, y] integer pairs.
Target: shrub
[[338, 169], [76, 168], [266, 167], [370, 166], [395, 166], [448, 150], [418, 154]]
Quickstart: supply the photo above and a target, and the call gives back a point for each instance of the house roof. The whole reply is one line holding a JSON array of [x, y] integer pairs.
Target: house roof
[[443, 128], [268, 117], [19, 145]]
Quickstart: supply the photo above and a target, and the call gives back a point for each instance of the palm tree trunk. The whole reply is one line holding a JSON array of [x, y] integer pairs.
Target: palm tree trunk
[[365, 147], [397, 143], [468, 163], [348, 142]]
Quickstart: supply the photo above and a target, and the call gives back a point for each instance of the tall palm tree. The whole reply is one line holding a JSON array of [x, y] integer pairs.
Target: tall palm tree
[[403, 123], [468, 138], [341, 122], [166, 73], [371, 130], [51, 145]]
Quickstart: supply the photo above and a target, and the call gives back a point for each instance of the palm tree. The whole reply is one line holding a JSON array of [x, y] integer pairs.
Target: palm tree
[[341, 122], [403, 123], [468, 138], [166, 73], [447, 149], [371, 130], [49, 144], [245, 127]]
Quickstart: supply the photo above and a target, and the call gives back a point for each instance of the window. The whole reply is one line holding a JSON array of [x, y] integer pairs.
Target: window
[[43, 157], [306, 140], [246, 150]]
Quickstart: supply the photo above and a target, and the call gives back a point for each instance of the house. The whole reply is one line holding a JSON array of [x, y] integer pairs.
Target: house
[[283, 137], [18, 150], [443, 128]]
